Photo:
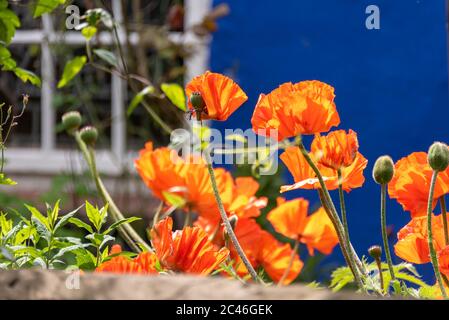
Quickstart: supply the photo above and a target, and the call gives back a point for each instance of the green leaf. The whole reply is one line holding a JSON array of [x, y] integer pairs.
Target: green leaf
[[81, 224], [63, 251], [85, 260], [94, 216], [174, 199], [99, 240], [107, 56], [88, 32], [116, 224], [138, 99], [340, 278], [26, 75], [65, 219], [46, 6], [8, 24], [38, 217], [71, 69], [6, 181], [175, 94], [52, 214]]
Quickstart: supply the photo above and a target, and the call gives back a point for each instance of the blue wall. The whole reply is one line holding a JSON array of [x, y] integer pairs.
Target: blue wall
[[391, 84]]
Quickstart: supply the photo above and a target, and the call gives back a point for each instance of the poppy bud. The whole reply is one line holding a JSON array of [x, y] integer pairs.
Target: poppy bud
[[375, 252], [197, 101], [438, 156], [71, 120], [383, 170], [89, 135]]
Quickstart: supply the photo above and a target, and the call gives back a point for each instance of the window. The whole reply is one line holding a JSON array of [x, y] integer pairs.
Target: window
[[37, 147]]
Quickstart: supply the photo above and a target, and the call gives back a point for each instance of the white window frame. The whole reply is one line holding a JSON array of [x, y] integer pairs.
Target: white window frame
[[47, 159]]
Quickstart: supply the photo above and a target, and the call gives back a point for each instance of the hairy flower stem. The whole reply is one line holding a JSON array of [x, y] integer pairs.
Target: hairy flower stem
[[350, 253], [226, 222], [383, 222], [444, 215], [128, 233], [340, 235], [433, 255], [290, 263], [343, 209], [224, 216]]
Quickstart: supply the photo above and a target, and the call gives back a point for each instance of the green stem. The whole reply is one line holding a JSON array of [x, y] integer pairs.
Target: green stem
[[224, 216], [226, 222], [343, 209], [131, 237], [383, 221], [433, 255], [290, 263], [444, 215], [350, 253], [341, 238]]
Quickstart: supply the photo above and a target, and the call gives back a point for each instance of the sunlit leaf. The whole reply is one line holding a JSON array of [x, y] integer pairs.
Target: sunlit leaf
[[27, 76], [8, 24], [46, 6], [116, 224], [71, 69], [88, 32], [175, 94], [81, 224], [138, 99], [6, 181]]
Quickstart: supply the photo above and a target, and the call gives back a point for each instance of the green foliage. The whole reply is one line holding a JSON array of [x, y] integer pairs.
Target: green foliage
[[6, 181], [175, 93], [46, 6], [405, 273], [88, 32], [138, 99], [9, 64], [38, 239], [71, 69], [107, 56], [8, 23]]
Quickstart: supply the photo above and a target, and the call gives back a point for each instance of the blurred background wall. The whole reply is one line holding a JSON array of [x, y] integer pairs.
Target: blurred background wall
[[391, 84]]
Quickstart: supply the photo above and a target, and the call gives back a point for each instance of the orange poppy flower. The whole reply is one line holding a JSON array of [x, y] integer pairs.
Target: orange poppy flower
[[443, 260], [275, 257], [160, 169], [263, 250], [412, 243], [290, 219], [319, 233], [306, 107], [144, 263], [411, 182], [260, 247], [188, 250], [221, 95], [336, 150], [305, 178], [164, 172], [238, 197]]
